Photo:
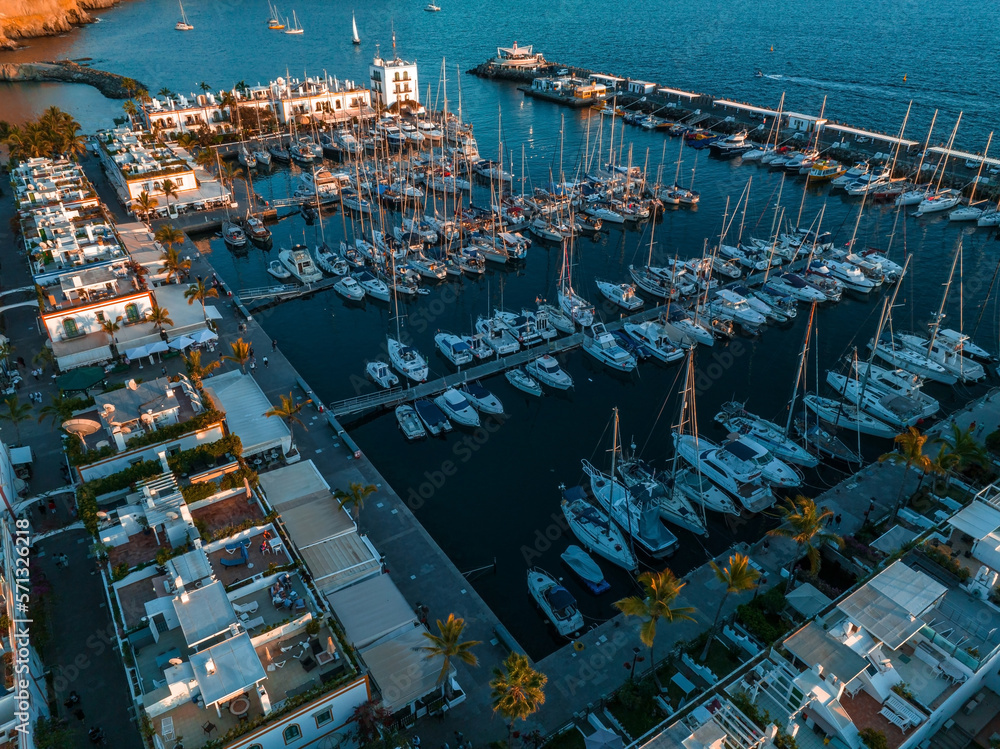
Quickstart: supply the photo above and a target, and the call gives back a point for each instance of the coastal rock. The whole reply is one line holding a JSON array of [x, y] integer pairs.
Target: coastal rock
[[109, 84], [23, 19]]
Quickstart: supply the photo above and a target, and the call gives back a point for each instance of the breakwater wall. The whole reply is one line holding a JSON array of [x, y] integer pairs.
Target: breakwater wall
[[111, 85]]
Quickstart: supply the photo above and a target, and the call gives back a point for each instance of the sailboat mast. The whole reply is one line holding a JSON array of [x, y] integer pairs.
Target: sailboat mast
[[800, 375]]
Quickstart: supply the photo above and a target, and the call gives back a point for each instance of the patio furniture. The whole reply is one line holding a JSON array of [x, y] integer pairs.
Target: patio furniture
[[239, 707], [208, 728], [163, 659], [300, 604], [683, 682], [253, 623], [243, 558], [167, 729], [233, 548], [897, 720], [246, 608], [275, 545], [327, 654]]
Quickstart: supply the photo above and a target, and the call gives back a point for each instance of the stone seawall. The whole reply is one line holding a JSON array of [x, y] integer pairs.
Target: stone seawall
[[109, 84]]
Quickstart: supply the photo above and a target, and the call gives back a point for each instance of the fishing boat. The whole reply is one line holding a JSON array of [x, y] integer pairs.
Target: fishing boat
[[432, 417], [604, 347], [233, 234], [354, 30], [586, 569], [374, 287], [256, 230], [622, 294], [300, 264], [825, 170], [523, 381], [454, 348], [457, 408], [594, 529], [294, 28], [183, 25], [279, 271], [350, 289], [481, 399], [735, 418], [731, 473], [546, 370], [552, 598], [381, 375], [410, 423], [848, 416]]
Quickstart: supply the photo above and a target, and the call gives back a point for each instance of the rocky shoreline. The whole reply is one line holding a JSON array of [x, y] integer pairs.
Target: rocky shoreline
[[26, 19], [111, 85]]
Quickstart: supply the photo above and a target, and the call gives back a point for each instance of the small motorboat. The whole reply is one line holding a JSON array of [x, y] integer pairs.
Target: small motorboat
[[586, 569], [457, 408], [374, 287], [329, 262], [523, 381], [546, 370], [279, 271], [381, 375], [454, 348], [350, 289], [409, 422], [481, 399], [622, 294], [555, 601], [433, 417], [233, 234]]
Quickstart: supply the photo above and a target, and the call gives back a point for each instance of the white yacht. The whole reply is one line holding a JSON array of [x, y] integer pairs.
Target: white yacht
[[381, 375], [700, 490], [605, 348], [407, 360], [576, 307], [350, 289], [556, 317], [942, 200], [899, 411], [457, 408], [546, 370], [454, 348], [481, 399], [731, 306], [946, 351], [477, 343], [373, 286], [848, 416], [552, 598], [674, 506], [523, 381], [774, 471], [652, 335], [898, 354], [738, 420], [797, 287], [622, 294], [300, 264], [329, 262], [409, 423], [731, 473], [897, 382], [496, 335], [639, 517], [594, 529], [850, 275]]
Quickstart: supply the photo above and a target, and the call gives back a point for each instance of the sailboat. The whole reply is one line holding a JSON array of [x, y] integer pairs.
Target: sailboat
[[354, 26], [407, 360], [183, 25], [274, 22], [575, 306], [295, 28], [432, 8]]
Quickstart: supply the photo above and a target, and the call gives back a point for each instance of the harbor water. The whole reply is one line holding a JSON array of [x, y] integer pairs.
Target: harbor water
[[491, 498]]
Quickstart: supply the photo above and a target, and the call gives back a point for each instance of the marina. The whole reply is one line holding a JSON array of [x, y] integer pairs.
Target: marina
[[765, 291]]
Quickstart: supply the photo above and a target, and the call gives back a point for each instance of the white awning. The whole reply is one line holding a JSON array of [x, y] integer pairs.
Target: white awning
[[245, 405], [371, 610], [401, 669], [807, 600], [977, 520], [212, 312], [227, 669], [341, 561]]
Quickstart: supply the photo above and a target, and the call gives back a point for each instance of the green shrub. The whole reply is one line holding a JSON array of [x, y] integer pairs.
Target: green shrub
[[873, 739], [205, 456], [197, 492], [119, 571]]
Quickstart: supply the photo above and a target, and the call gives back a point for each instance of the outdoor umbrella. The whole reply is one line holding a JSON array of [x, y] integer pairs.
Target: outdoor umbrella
[[181, 343], [204, 335]]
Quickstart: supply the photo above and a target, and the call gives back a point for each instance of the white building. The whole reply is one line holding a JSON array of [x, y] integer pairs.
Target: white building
[[394, 81], [185, 114]]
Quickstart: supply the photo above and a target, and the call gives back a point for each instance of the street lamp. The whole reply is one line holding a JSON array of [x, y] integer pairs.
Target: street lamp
[[635, 659]]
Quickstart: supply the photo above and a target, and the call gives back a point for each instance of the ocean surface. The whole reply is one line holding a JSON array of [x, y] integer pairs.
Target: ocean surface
[[494, 495]]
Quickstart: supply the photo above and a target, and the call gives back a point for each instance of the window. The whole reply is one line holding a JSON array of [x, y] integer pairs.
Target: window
[[71, 328], [292, 733], [255, 746], [132, 313], [324, 717]]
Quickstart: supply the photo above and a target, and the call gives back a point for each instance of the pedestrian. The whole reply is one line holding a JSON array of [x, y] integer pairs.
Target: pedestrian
[[79, 715], [415, 742], [38, 397], [767, 545], [253, 367], [34, 373], [274, 344], [251, 352], [52, 506], [836, 520], [163, 371], [64, 559], [265, 361]]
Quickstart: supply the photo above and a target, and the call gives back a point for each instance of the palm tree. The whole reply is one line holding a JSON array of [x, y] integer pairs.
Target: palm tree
[[910, 453], [130, 109], [59, 410], [660, 589], [168, 236], [166, 92], [130, 85], [110, 327], [198, 370], [6, 349], [159, 316], [174, 265], [16, 413], [186, 140], [804, 524], [517, 691], [199, 291], [205, 158], [738, 577], [355, 497], [289, 411], [229, 174], [204, 87], [169, 190], [959, 451], [145, 204], [241, 353], [448, 645], [44, 358]]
